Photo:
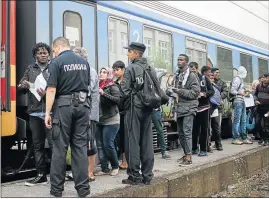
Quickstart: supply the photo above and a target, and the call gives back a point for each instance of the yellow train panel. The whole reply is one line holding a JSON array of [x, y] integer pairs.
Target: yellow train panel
[[9, 121]]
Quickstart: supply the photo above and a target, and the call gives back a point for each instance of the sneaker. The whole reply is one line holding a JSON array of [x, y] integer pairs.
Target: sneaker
[[237, 142], [146, 182], [194, 152], [260, 141], [219, 148], [39, 179], [102, 173], [202, 154], [247, 141], [56, 195], [186, 161], [114, 172], [166, 155], [209, 149], [83, 194], [266, 143], [130, 182]]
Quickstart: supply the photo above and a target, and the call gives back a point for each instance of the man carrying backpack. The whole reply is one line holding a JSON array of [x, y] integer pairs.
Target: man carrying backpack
[[138, 138], [238, 93], [216, 121]]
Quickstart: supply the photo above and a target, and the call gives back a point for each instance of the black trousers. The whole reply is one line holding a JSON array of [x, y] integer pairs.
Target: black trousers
[[39, 135], [121, 134], [216, 129], [139, 144], [92, 149], [200, 130], [70, 125], [262, 124]]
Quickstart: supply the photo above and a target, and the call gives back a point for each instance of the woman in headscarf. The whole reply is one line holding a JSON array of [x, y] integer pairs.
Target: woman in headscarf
[[239, 121], [109, 122]]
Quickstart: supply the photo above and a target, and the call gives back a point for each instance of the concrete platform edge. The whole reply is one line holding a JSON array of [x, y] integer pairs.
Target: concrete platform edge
[[201, 181]]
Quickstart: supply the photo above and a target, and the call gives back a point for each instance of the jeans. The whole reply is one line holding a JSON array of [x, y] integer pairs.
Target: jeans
[[239, 121], [105, 136], [184, 126], [39, 134], [157, 121]]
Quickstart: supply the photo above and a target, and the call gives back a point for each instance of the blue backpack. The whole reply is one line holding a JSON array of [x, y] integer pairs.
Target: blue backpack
[[250, 121], [216, 98]]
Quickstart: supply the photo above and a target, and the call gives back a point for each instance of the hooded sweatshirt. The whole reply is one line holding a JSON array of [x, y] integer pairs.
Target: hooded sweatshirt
[[238, 84]]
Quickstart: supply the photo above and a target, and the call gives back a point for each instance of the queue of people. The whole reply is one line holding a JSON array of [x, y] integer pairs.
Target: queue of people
[[88, 112]]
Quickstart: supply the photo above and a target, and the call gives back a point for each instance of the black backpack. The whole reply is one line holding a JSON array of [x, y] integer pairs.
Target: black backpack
[[151, 95]]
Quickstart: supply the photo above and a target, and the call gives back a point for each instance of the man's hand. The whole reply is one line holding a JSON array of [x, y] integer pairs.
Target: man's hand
[[257, 103], [40, 92], [176, 90], [101, 91], [48, 121], [25, 84], [202, 94]]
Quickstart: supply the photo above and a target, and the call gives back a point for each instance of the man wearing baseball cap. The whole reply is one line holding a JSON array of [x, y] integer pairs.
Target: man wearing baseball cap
[[138, 138]]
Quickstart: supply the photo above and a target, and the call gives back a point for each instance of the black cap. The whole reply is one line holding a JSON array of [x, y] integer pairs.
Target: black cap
[[214, 69], [136, 46]]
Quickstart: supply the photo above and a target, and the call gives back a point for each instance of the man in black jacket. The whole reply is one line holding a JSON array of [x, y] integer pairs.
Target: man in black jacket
[[216, 121], [138, 140], [202, 118], [36, 110], [119, 68]]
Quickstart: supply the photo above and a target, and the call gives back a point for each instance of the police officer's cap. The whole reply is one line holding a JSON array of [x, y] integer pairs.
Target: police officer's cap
[[136, 46]]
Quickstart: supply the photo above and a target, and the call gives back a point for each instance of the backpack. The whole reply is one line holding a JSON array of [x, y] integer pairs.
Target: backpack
[[231, 96], [250, 123], [151, 95], [216, 98]]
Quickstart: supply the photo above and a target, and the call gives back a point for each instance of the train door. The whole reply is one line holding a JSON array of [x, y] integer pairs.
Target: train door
[[77, 22]]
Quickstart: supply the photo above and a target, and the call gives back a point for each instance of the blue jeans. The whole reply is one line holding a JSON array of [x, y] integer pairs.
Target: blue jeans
[[239, 123], [105, 136]]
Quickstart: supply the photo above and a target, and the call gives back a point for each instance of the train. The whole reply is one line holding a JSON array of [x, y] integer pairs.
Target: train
[[104, 28]]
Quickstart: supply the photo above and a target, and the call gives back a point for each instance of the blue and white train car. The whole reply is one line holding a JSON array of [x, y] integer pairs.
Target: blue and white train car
[[105, 27]]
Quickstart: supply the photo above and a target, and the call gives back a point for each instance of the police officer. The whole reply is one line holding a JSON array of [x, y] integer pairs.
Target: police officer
[[138, 139], [68, 85]]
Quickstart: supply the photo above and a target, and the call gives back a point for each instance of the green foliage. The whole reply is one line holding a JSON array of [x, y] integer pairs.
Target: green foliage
[[157, 60]]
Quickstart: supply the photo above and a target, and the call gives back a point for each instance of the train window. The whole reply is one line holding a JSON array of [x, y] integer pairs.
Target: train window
[[73, 28], [117, 39], [196, 50], [159, 48], [263, 66], [246, 61], [225, 63]]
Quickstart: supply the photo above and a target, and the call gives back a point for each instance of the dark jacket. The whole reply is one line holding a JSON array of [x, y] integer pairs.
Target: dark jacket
[[121, 104], [188, 96], [223, 90], [132, 82], [207, 88], [262, 95], [109, 102], [30, 74]]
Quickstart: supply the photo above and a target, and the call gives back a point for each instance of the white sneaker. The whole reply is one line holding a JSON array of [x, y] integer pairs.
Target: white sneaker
[[114, 172]]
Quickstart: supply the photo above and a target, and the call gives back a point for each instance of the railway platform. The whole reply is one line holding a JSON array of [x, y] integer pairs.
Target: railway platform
[[205, 177]]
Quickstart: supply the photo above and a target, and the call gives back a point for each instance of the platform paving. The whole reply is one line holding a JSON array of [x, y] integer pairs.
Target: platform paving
[[106, 184]]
